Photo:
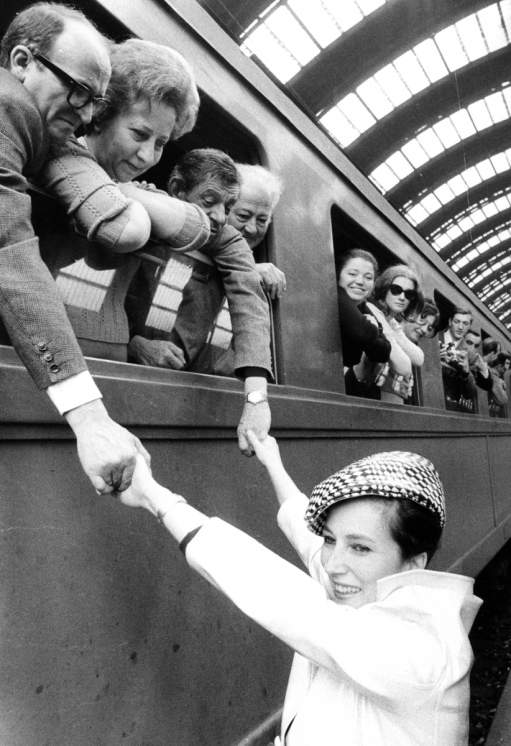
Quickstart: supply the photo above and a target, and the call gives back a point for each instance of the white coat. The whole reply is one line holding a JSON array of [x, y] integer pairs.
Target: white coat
[[391, 673]]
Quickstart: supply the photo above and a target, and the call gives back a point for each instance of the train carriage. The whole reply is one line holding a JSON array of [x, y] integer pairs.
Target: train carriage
[[107, 638]]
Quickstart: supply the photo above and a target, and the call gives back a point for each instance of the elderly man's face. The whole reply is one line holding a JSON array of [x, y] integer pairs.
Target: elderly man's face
[[79, 52], [252, 212], [215, 199]]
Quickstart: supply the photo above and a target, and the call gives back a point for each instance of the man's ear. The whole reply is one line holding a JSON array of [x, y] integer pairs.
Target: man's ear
[[19, 59], [176, 188]]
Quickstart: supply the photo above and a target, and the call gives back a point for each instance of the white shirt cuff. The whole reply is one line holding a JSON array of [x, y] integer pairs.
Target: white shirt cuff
[[73, 392]]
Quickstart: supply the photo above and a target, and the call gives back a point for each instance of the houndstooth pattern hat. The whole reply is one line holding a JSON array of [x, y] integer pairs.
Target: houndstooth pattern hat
[[399, 474]]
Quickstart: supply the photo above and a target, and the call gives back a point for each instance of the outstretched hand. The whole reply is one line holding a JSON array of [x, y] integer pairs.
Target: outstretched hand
[[107, 451], [141, 482], [266, 450]]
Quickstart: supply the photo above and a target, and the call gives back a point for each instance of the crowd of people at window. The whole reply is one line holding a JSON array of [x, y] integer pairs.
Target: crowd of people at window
[[383, 319]]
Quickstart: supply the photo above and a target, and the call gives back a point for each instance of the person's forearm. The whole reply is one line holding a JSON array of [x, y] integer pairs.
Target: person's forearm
[[413, 351], [256, 383], [171, 218], [178, 517], [282, 483]]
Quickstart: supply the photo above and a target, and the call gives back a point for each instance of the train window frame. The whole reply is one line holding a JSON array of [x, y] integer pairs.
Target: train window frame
[[385, 258], [248, 150]]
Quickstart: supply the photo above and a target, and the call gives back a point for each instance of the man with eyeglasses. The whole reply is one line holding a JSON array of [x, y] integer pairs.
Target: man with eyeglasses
[[54, 69]]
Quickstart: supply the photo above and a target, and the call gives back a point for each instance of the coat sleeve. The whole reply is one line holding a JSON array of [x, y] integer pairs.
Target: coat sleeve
[[359, 333], [90, 197], [30, 306], [248, 306], [291, 520], [380, 649]]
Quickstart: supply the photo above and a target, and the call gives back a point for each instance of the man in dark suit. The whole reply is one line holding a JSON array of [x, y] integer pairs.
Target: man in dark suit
[[54, 69]]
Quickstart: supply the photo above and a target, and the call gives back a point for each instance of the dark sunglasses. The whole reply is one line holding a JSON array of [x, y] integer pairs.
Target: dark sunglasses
[[396, 289], [79, 94]]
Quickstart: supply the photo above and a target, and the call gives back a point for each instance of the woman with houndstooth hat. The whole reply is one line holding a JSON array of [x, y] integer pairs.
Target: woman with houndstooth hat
[[381, 642]]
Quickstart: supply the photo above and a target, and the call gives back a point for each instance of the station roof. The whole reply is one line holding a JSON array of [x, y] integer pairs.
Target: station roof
[[417, 93]]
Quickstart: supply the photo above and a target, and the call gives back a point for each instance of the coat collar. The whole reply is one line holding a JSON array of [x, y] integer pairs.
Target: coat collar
[[460, 589]]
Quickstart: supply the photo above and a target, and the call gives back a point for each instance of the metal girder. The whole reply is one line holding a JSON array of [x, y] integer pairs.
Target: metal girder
[[477, 232], [381, 37], [491, 188], [234, 15], [471, 83], [491, 255], [506, 276], [505, 306], [451, 162]]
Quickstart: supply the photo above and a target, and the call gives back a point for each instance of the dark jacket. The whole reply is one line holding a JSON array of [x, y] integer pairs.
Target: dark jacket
[[359, 335]]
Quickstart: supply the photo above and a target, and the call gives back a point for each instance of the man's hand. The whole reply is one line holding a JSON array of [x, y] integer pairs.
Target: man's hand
[[107, 451], [273, 279], [157, 352], [462, 360], [257, 418]]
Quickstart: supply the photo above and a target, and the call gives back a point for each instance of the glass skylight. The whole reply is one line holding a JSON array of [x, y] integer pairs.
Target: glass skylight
[[290, 33], [455, 186], [483, 244], [433, 58], [479, 113]]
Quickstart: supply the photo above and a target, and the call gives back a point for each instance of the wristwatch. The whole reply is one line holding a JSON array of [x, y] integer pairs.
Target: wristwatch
[[255, 397]]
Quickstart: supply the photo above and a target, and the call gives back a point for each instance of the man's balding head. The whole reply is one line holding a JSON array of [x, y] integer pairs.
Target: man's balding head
[[73, 52]]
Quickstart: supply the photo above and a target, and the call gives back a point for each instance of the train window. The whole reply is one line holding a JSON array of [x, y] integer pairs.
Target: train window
[[168, 312], [363, 322], [495, 360], [172, 302], [460, 388]]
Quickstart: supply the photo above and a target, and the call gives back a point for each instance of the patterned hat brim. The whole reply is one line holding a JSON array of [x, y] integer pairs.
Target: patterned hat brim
[[391, 474]]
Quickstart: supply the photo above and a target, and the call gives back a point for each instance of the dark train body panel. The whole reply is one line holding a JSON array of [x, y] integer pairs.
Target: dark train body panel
[[107, 637]]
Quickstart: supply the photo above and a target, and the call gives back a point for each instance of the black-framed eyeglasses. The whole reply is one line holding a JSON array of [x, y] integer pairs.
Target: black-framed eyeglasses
[[396, 289], [79, 94]]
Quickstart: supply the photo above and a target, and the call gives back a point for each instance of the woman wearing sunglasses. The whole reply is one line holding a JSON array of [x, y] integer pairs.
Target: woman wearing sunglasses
[[397, 296]]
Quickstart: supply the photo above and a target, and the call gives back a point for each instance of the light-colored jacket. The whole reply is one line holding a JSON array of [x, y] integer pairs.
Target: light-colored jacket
[[391, 673]]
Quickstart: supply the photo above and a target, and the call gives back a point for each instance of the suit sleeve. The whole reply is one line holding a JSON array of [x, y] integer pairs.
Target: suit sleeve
[[248, 306], [30, 307]]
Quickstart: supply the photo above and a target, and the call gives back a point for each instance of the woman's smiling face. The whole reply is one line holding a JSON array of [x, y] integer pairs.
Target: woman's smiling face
[[132, 141], [359, 549], [357, 279]]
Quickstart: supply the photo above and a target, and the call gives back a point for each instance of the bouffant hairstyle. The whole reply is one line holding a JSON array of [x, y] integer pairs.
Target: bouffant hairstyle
[[145, 70], [358, 254], [387, 278]]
